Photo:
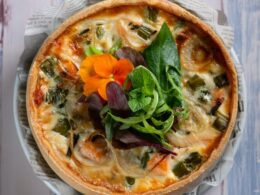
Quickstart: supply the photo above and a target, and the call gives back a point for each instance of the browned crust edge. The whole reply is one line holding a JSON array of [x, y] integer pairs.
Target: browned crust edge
[[61, 168]]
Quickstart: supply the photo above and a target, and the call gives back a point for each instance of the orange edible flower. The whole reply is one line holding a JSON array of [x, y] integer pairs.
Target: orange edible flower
[[97, 71]]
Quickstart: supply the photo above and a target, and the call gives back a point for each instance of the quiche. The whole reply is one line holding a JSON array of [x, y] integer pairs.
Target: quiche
[[132, 97]]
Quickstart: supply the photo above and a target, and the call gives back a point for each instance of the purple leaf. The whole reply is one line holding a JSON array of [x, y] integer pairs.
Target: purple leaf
[[117, 100], [95, 105], [132, 55], [127, 140]]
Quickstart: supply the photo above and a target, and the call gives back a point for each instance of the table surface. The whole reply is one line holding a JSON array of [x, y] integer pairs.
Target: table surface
[[16, 174]]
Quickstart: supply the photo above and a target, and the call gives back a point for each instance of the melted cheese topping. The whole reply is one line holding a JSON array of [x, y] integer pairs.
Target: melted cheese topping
[[106, 165]]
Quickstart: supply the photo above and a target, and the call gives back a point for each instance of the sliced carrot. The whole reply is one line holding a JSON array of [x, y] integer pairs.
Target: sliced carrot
[[164, 165], [104, 65], [71, 68], [68, 67], [158, 164]]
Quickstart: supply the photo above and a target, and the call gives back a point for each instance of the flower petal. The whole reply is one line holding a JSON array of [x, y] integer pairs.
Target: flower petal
[[86, 68], [102, 88], [104, 65], [92, 84], [122, 69]]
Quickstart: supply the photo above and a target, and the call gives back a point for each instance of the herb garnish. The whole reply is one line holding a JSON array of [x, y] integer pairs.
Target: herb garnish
[[85, 31], [163, 60], [145, 158], [57, 96], [100, 31], [187, 165], [148, 106], [117, 44], [143, 31], [151, 14], [130, 181], [91, 50], [62, 126], [149, 114], [221, 80], [48, 65]]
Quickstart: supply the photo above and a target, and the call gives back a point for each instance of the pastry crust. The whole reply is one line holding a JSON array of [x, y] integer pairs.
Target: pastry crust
[[62, 169]]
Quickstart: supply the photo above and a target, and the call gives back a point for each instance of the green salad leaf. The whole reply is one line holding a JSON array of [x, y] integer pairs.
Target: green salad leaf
[[48, 66], [139, 117], [143, 83], [91, 50], [150, 115], [141, 77], [137, 100], [154, 95], [109, 127], [163, 60], [117, 44]]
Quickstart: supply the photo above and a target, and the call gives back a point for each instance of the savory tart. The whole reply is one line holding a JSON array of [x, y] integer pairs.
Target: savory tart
[[132, 97]]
